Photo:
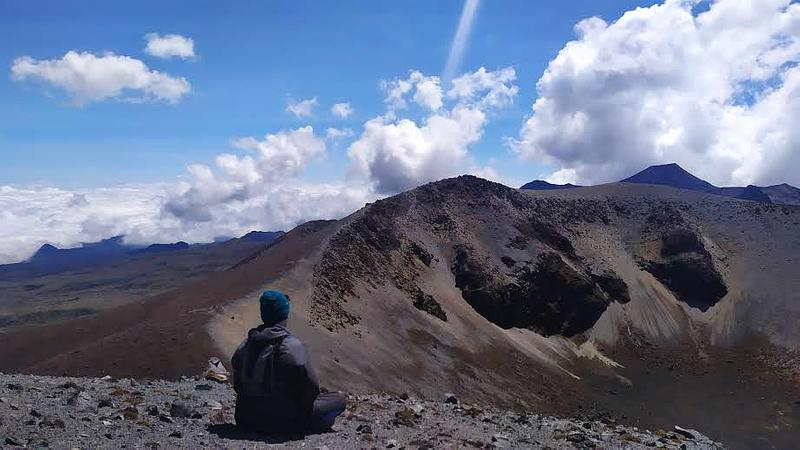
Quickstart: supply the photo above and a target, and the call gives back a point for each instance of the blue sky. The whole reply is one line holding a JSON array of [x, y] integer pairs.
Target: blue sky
[[251, 58], [166, 121]]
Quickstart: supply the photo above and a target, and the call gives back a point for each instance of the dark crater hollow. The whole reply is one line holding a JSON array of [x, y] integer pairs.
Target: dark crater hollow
[[687, 269], [549, 296]]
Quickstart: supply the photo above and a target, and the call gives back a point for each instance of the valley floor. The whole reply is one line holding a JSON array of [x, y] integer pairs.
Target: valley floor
[[104, 413]]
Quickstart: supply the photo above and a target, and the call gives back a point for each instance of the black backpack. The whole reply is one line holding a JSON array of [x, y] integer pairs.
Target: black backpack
[[258, 377]]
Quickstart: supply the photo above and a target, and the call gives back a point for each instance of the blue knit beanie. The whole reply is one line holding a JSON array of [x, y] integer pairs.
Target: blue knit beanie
[[274, 307]]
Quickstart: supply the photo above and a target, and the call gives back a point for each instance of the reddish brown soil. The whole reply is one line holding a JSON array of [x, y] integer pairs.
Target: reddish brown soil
[[161, 336]]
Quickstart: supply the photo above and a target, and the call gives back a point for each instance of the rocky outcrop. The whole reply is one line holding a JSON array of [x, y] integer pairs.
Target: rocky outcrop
[[550, 296], [687, 269]]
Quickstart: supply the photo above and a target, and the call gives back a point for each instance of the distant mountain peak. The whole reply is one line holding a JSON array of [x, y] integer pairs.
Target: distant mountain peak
[[670, 175], [45, 250], [542, 185]]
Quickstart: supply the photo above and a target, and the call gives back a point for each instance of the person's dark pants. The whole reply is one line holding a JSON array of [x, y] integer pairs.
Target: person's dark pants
[[327, 407]]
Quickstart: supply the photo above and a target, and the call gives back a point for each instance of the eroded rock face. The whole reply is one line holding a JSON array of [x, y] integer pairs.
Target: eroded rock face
[[549, 296], [426, 302], [548, 235], [686, 268]]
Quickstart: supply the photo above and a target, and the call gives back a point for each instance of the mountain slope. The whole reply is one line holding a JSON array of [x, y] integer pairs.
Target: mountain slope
[[783, 193], [612, 298]]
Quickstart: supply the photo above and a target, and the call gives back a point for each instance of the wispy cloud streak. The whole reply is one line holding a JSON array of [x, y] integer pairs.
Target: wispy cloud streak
[[460, 39]]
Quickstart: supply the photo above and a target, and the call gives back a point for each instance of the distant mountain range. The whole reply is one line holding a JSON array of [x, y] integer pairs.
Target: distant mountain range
[[49, 259], [541, 185], [675, 176]]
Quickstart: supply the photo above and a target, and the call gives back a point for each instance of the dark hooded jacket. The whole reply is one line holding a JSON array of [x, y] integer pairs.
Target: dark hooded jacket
[[273, 394]]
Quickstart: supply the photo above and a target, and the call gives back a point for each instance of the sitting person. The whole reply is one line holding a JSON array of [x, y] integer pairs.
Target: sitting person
[[277, 390]]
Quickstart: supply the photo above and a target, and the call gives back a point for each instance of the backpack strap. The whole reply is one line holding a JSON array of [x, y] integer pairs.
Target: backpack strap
[[276, 345]]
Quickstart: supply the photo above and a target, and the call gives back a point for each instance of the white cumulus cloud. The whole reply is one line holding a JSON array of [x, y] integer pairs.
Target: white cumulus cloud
[[90, 78], [169, 46], [396, 154], [302, 109], [338, 133], [715, 91], [342, 110], [267, 174], [427, 91]]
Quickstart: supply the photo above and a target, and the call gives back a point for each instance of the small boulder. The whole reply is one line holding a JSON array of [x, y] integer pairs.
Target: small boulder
[[70, 385], [405, 416], [82, 401], [181, 409], [449, 398], [685, 432], [152, 410]]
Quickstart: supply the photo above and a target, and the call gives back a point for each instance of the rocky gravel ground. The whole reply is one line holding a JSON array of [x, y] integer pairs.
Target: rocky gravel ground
[[39, 412]]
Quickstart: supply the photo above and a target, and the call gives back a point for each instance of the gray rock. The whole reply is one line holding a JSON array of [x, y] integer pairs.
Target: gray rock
[[449, 398], [181, 409], [81, 401], [686, 432]]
